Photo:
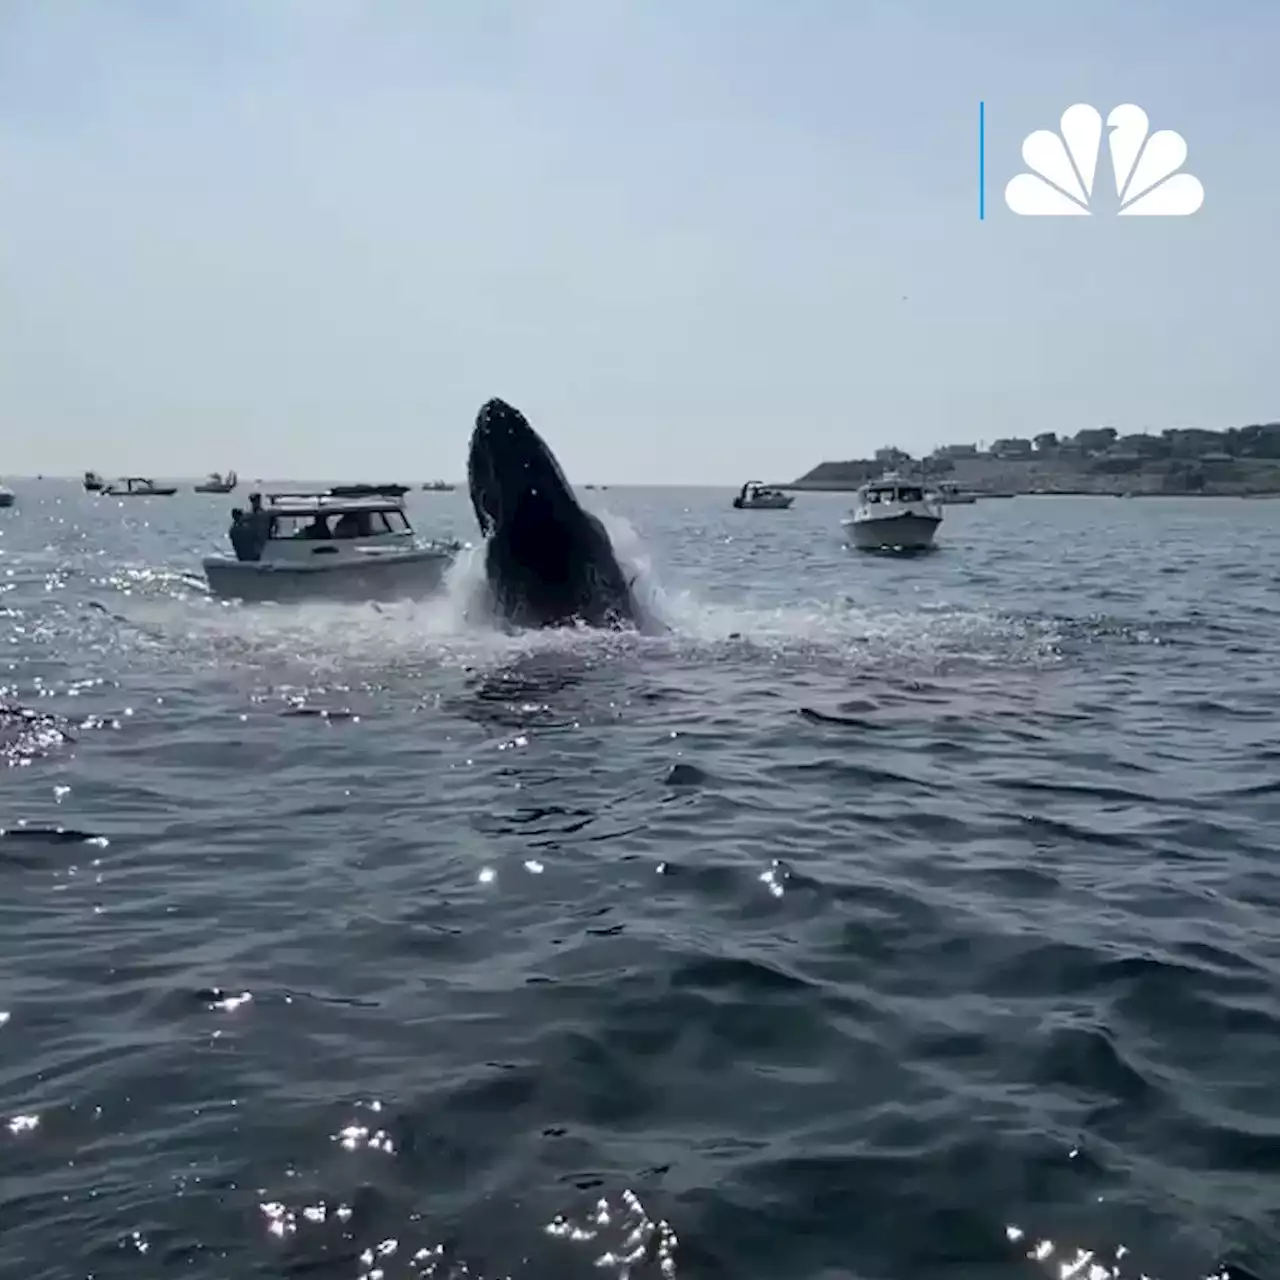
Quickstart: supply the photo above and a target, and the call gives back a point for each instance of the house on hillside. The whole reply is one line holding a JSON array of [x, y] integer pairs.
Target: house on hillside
[[1014, 447]]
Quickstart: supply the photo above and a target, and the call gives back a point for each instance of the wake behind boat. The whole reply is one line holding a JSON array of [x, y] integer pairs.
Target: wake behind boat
[[304, 545], [893, 514]]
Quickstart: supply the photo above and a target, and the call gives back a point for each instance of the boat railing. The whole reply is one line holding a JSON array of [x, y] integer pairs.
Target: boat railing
[[324, 498]]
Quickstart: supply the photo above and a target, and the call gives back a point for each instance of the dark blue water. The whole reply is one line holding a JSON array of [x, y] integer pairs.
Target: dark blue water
[[883, 920]]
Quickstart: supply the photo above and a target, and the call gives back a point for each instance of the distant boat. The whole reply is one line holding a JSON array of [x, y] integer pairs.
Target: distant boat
[[438, 486], [7, 496], [139, 487], [950, 495], [758, 497], [93, 482], [893, 514], [218, 484], [369, 490]]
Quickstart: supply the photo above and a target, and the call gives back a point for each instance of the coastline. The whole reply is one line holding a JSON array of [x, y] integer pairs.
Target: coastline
[[987, 477]]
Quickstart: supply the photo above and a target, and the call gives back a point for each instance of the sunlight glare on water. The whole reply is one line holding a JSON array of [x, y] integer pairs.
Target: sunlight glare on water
[[862, 910]]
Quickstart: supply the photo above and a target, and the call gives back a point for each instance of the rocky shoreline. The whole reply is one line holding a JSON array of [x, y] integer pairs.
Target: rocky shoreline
[[1241, 462], [992, 477]]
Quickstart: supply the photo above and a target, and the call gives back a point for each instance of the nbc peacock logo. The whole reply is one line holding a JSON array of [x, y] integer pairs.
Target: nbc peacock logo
[[1063, 167]]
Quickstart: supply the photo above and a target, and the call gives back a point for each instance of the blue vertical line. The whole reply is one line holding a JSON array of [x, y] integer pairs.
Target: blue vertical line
[[982, 161]]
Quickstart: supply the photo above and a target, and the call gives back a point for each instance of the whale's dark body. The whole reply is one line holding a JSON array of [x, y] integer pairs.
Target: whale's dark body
[[548, 562]]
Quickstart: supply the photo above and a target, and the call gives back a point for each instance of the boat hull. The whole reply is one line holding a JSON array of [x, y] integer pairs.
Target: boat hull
[[138, 493], [764, 504], [906, 532], [402, 576], [7, 497], [369, 490]]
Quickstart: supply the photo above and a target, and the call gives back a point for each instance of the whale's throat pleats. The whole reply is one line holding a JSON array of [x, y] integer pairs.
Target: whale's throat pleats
[[541, 547]]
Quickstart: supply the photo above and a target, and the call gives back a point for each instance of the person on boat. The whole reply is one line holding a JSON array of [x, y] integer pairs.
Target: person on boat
[[317, 529], [259, 523], [243, 540], [347, 527]]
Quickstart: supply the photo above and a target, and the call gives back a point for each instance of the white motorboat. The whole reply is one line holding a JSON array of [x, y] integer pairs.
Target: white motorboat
[[438, 486], [138, 487], [893, 514], [757, 497], [298, 546], [7, 496], [951, 495], [218, 484]]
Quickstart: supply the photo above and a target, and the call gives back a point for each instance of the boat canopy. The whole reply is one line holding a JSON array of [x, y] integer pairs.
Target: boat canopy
[[305, 503]]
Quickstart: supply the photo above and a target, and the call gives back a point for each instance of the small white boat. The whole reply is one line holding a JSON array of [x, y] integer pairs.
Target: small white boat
[[139, 487], [438, 486], [951, 495], [7, 496], [218, 484], [299, 546], [893, 514], [757, 497]]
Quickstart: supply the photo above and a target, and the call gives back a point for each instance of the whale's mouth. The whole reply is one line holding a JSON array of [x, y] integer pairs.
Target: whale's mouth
[[509, 467]]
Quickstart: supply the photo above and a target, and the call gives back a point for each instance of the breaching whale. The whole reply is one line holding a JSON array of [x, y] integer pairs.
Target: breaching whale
[[548, 562]]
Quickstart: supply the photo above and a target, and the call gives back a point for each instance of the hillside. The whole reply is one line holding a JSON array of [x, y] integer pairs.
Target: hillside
[[1244, 460]]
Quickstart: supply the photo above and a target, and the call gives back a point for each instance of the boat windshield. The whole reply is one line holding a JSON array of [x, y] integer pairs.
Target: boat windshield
[[338, 524], [892, 493]]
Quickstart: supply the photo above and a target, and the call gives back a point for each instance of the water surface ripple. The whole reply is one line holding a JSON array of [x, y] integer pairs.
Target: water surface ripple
[[892, 920]]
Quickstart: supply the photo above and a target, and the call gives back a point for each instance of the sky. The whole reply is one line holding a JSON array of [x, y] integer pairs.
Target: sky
[[696, 241]]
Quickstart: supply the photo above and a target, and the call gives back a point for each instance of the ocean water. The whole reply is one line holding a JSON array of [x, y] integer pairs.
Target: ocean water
[[882, 919]]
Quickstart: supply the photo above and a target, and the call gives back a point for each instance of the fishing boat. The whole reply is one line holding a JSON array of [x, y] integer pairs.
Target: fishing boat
[[303, 545], [893, 514], [218, 484], [139, 487], [755, 496]]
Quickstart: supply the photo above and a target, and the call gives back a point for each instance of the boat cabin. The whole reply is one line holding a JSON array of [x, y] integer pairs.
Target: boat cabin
[[892, 489], [298, 526]]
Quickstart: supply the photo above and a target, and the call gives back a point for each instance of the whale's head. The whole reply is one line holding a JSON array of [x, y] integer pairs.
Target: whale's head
[[511, 472]]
